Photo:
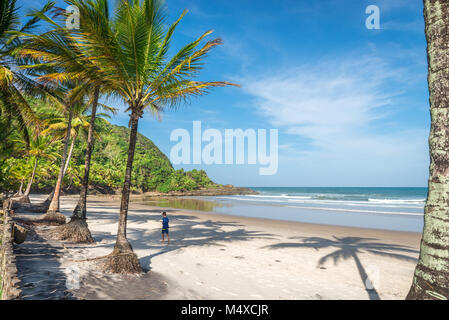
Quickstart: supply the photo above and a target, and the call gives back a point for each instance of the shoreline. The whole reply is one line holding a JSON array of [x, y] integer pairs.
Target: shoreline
[[257, 221], [280, 222], [216, 256]]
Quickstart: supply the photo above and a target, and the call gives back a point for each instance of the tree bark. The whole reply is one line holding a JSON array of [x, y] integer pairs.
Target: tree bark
[[20, 193], [122, 244], [30, 183], [123, 259], [66, 166], [54, 205], [80, 210], [431, 278]]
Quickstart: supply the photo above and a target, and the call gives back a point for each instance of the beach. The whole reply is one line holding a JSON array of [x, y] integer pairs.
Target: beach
[[214, 256]]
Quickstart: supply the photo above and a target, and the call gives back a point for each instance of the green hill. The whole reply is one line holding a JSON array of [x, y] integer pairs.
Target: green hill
[[152, 170]]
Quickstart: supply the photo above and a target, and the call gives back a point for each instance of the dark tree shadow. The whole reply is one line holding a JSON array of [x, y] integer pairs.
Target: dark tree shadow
[[185, 231], [349, 248], [39, 270]]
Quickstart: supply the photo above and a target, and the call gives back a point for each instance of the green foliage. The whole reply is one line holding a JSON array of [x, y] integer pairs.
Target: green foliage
[[152, 170]]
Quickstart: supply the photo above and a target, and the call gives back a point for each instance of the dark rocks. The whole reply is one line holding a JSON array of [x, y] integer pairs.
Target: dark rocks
[[20, 233], [226, 190]]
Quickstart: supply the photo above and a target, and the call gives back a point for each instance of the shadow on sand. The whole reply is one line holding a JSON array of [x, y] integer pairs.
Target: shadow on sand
[[349, 248], [39, 270], [185, 231]]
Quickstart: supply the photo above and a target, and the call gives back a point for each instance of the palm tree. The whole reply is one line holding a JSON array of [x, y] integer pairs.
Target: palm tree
[[68, 99], [58, 48], [431, 278], [13, 82], [53, 215], [56, 126], [130, 52], [40, 148], [19, 172], [77, 230]]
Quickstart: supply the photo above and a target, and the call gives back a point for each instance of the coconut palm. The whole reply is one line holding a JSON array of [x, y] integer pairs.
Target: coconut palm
[[14, 83], [57, 48], [431, 278], [68, 99], [130, 52], [19, 171], [40, 148], [56, 126]]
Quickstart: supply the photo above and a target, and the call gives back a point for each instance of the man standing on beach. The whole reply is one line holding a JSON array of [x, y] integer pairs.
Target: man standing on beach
[[165, 227]]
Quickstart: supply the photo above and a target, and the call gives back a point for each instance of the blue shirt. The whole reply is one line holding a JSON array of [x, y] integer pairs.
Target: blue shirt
[[164, 223]]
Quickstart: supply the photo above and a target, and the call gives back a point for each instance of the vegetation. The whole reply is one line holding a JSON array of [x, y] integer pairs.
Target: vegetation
[[129, 52], [152, 170], [431, 278], [51, 80]]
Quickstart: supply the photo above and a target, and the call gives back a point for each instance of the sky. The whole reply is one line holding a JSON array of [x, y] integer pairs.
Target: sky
[[350, 104]]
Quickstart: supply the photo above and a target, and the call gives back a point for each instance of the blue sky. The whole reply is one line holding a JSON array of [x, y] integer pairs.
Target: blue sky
[[350, 104]]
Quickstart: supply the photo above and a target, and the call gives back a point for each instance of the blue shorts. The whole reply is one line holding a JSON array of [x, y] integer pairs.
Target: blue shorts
[[165, 230]]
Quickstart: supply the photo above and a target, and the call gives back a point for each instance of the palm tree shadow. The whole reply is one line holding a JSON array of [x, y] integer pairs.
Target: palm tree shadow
[[350, 247], [185, 231], [200, 233]]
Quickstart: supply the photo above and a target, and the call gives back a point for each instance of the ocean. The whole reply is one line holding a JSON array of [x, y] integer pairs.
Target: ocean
[[399, 209]]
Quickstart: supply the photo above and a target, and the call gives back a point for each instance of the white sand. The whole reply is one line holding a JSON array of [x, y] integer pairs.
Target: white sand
[[228, 257]]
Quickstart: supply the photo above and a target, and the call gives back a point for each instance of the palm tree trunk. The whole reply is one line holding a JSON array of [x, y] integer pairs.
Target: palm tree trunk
[[123, 259], [66, 166], [431, 278], [77, 229], [80, 209], [20, 192], [30, 183], [121, 233], [53, 210]]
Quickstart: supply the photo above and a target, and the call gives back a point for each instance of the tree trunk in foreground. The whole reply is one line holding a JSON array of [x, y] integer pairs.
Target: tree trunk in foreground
[[431, 279], [30, 183], [123, 259], [77, 229], [53, 215]]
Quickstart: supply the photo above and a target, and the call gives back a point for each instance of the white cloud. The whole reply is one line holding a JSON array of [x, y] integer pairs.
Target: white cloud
[[345, 111]]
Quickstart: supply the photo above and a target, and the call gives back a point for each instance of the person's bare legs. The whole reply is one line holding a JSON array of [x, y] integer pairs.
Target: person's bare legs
[[162, 238], [168, 239]]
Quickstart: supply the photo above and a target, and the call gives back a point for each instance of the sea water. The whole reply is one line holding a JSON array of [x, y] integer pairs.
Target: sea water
[[398, 209]]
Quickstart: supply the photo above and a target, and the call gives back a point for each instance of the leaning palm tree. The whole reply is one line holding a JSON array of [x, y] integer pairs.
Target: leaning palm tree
[[67, 98], [130, 51], [431, 278], [40, 148], [58, 48], [56, 126]]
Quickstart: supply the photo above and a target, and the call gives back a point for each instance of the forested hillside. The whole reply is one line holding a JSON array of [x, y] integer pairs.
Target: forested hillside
[[152, 170]]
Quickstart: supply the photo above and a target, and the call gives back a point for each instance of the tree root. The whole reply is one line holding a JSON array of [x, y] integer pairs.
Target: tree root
[[122, 262], [52, 218], [76, 231], [93, 259]]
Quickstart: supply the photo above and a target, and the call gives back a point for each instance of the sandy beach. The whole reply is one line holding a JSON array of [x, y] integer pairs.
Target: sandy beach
[[214, 256]]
